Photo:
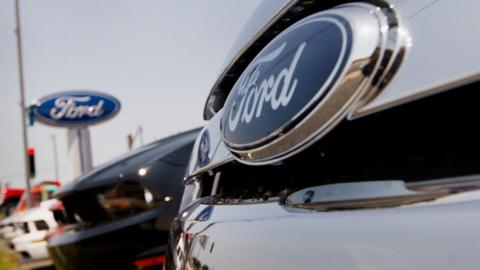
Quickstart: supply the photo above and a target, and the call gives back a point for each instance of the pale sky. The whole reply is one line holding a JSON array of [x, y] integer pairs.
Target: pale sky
[[159, 58]]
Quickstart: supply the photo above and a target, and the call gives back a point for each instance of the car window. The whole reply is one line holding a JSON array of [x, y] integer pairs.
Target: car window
[[41, 225], [25, 227]]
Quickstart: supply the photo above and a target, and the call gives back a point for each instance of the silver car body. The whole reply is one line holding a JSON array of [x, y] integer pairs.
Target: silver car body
[[443, 54]]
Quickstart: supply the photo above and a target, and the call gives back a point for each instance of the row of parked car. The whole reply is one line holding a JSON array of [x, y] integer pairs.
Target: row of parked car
[[25, 230], [340, 135], [117, 216]]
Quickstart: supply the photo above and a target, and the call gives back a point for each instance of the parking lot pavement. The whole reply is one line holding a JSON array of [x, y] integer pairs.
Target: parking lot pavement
[[8, 259]]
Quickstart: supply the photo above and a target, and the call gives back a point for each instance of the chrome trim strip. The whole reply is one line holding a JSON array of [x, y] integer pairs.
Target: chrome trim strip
[[422, 93]]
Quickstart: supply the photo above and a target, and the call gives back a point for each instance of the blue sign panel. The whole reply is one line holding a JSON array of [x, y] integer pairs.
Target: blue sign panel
[[76, 108], [287, 80]]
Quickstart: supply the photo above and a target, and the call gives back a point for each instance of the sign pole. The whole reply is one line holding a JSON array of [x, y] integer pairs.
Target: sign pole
[[55, 157], [79, 151], [22, 102]]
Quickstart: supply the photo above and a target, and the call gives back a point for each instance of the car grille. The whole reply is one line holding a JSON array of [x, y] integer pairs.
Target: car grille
[[434, 137]]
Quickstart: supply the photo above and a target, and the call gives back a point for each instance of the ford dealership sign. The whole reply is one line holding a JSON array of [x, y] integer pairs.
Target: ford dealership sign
[[76, 108]]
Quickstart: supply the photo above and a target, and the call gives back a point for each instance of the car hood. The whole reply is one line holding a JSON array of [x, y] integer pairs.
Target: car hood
[[127, 166]]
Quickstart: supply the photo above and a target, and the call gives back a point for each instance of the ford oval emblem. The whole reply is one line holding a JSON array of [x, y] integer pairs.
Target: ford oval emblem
[[76, 108], [305, 81], [204, 149]]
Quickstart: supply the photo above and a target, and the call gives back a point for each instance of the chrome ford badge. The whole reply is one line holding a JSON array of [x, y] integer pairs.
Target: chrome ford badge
[[76, 108], [204, 149], [307, 79]]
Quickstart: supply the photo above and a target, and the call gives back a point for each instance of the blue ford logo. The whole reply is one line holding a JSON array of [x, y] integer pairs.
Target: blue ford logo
[[204, 149], [306, 80], [285, 81], [76, 108]]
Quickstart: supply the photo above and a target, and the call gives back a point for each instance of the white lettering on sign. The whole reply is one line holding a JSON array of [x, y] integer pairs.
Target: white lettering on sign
[[72, 108], [275, 90]]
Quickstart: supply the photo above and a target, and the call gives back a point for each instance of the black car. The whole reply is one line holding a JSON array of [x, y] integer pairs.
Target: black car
[[117, 216]]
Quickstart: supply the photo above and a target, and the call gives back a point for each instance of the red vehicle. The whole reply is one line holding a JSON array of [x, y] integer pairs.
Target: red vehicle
[[9, 198], [41, 191]]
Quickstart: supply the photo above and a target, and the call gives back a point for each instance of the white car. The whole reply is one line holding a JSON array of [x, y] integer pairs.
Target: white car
[[12, 228], [6, 226], [36, 223]]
